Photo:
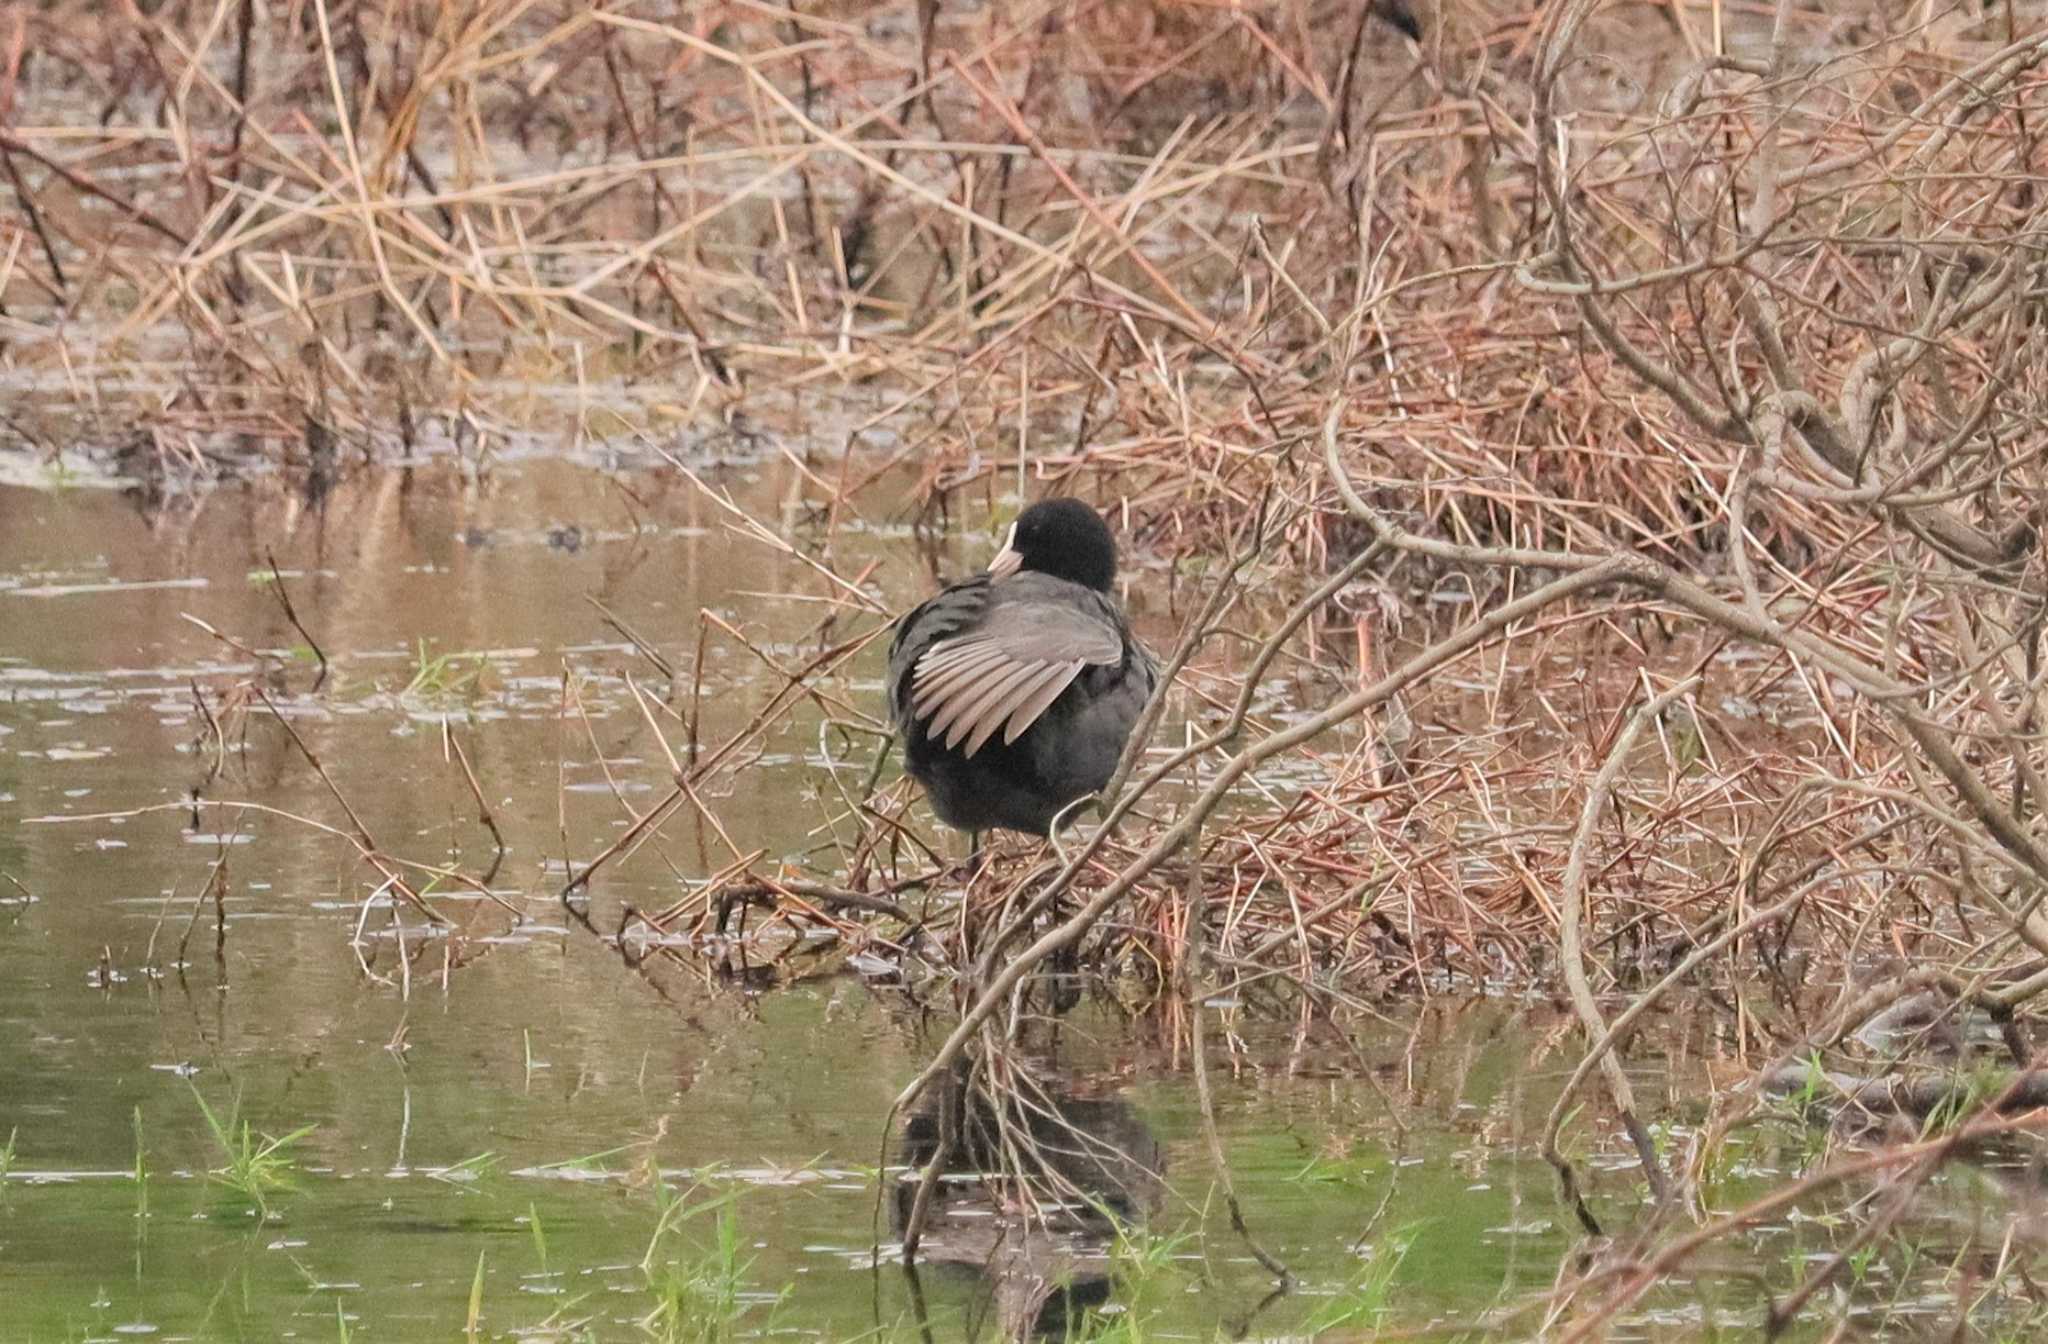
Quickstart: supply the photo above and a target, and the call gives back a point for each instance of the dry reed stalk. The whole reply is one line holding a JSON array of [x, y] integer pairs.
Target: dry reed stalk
[[1727, 363]]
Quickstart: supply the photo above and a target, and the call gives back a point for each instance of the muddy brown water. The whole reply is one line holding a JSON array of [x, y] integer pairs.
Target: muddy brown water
[[491, 1148]]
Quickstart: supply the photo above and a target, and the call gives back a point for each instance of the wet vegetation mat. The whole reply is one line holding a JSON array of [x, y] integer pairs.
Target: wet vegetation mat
[[1580, 875]]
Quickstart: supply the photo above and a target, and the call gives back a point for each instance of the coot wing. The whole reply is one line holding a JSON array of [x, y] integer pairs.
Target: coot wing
[[1006, 671]]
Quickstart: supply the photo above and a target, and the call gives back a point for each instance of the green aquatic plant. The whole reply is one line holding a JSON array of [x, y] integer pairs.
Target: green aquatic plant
[[1121, 1326], [1808, 1104], [1366, 1300], [1139, 1262], [476, 1301], [540, 1238], [254, 1164], [1858, 1263], [698, 1299], [590, 1162], [1813, 1085], [1318, 1169], [1138, 1256], [469, 1169], [1970, 1090], [7, 1153], [451, 675]]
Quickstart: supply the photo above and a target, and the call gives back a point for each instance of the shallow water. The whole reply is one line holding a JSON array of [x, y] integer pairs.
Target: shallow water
[[492, 1122]]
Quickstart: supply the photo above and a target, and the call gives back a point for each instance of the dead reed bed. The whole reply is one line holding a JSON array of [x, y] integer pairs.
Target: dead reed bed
[[1599, 446]]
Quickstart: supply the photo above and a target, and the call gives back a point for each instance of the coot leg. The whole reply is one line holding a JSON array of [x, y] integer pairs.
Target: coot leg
[[970, 867]]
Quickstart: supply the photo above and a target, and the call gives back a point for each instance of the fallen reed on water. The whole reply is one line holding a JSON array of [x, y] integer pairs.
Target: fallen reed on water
[[1594, 454]]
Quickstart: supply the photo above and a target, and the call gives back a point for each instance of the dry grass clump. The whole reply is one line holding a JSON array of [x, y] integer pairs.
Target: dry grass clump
[[387, 219], [1603, 446]]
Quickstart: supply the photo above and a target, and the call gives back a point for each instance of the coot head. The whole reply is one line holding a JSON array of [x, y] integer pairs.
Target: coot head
[[1061, 537]]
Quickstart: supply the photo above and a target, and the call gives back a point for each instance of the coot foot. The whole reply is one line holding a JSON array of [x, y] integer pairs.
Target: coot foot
[[977, 858]]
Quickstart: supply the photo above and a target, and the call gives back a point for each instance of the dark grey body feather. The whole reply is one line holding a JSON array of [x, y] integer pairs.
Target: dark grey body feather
[[964, 667]]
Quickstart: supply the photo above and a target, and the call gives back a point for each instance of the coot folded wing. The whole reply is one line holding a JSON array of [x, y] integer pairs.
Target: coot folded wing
[[1006, 671]]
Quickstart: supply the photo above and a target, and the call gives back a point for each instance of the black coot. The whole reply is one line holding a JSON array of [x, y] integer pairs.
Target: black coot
[[1015, 690]]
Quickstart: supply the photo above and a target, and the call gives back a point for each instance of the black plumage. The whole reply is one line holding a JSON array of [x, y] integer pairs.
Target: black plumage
[[1014, 691]]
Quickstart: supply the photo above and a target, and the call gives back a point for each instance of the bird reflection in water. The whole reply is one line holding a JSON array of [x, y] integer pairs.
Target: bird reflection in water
[[1032, 1189]]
